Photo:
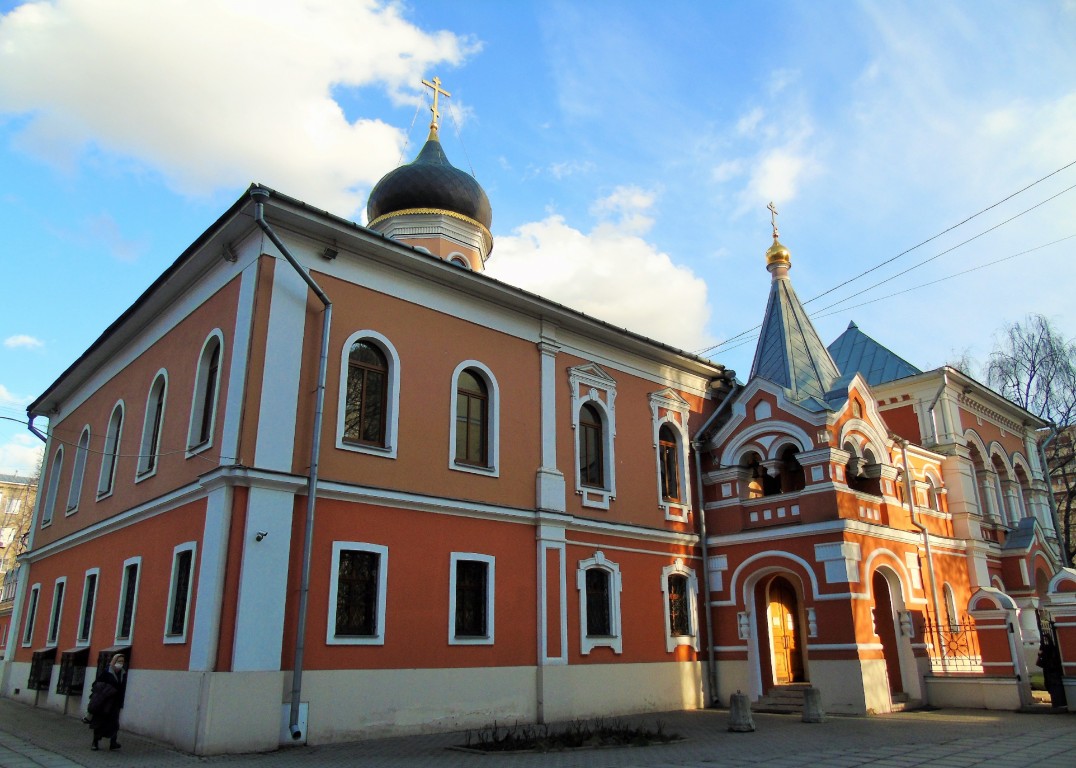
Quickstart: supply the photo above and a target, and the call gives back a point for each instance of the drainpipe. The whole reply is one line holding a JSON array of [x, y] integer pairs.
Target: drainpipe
[[259, 195], [1050, 495], [45, 438], [926, 544], [697, 445]]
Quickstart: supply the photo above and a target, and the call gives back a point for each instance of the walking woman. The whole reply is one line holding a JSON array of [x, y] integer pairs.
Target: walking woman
[[106, 701]]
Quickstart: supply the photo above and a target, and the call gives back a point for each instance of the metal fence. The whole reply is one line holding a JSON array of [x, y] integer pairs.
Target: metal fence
[[953, 646]]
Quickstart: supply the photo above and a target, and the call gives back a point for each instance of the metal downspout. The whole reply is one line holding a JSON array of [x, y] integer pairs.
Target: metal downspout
[[933, 403], [697, 444], [926, 543], [259, 196], [1050, 496]]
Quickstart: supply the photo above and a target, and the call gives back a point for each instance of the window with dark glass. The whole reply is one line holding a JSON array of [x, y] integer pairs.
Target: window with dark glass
[[669, 455], [79, 470], [472, 419], [111, 452], [591, 463], [57, 609], [364, 408], [53, 486], [679, 616], [151, 430], [472, 598], [31, 615], [205, 395], [177, 622], [127, 607], [356, 593], [89, 598], [598, 616]]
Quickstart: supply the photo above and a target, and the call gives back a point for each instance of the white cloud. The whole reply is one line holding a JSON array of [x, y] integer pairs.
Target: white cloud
[[22, 340], [210, 105], [626, 208], [609, 274], [21, 454], [748, 123], [777, 175], [570, 168], [9, 398]]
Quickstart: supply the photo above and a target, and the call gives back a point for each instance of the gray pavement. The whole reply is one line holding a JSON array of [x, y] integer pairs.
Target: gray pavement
[[34, 738]]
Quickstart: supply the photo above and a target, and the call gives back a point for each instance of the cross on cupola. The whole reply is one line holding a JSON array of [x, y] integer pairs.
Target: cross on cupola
[[437, 91], [773, 218]]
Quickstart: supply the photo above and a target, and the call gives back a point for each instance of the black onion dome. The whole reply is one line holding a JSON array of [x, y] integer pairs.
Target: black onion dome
[[429, 182]]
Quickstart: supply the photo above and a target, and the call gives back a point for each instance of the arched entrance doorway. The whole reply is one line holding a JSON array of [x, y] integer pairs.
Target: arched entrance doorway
[[783, 620], [885, 626]]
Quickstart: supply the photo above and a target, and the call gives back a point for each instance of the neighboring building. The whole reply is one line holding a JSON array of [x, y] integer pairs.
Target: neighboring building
[[1061, 458], [17, 495], [507, 492]]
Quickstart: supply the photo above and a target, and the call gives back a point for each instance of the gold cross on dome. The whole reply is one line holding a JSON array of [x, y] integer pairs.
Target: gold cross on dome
[[437, 90], [773, 218]]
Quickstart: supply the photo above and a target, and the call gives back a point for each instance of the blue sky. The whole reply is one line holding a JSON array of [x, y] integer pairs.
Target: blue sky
[[628, 149]]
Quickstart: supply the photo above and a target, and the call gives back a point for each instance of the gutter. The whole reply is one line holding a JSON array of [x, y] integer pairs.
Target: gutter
[[934, 402], [697, 445], [259, 195]]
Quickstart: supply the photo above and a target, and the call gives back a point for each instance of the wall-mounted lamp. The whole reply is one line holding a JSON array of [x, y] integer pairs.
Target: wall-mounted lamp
[[260, 535], [229, 254], [329, 253]]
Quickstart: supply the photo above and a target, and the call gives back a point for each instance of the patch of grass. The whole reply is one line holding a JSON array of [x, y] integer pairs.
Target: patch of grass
[[577, 734]]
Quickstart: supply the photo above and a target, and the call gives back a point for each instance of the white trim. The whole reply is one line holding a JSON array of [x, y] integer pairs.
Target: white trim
[[181, 637], [198, 394], [81, 640], [551, 539], [59, 592], [491, 565], [493, 421], [237, 364], [31, 615], [78, 471], [615, 638], [599, 384], [378, 638], [113, 441], [129, 637], [392, 397], [149, 448], [692, 638], [53, 487]]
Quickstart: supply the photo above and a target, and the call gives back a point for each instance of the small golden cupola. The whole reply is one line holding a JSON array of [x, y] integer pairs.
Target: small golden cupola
[[430, 204], [778, 258]]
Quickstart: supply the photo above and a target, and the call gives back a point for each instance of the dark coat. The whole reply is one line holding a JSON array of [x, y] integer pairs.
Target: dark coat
[[106, 701]]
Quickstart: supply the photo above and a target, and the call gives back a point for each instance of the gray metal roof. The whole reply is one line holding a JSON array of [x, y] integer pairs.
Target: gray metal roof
[[856, 352], [789, 352]]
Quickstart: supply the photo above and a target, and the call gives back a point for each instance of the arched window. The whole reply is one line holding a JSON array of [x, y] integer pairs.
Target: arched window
[[152, 425], [754, 487], [669, 461], [53, 486], [472, 419], [599, 583], [792, 477], [206, 388], [591, 445], [952, 618], [681, 589], [111, 452], [367, 389], [79, 470], [933, 497]]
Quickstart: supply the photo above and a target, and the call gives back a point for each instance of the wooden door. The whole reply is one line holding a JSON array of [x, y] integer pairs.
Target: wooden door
[[783, 615]]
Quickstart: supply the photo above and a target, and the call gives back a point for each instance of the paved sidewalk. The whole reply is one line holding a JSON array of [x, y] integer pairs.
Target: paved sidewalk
[[34, 738]]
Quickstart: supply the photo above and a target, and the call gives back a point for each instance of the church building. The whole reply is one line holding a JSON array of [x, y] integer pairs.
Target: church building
[[325, 481]]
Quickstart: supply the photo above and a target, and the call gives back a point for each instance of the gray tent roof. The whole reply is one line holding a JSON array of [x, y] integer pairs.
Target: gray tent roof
[[856, 352]]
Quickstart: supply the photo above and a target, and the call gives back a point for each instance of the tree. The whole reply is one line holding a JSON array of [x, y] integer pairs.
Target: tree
[[1035, 366]]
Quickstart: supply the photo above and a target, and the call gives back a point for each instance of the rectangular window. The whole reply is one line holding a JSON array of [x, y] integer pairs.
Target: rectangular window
[[179, 594], [679, 606], [89, 602], [31, 615], [57, 611], [128, 600], [357, 594], [598, 603], [471, 599]]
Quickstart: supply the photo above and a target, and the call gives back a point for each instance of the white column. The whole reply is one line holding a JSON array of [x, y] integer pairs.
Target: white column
[[550, 490]]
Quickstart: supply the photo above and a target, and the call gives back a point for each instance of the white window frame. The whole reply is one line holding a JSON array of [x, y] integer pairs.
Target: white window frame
[[198, 396], [126, 639], [615, 640], [181, 637], [600, 391], [491, 563], [52, 491], [59, 592], [32, 603], [106, 482], [78, 471], [493, 421], [150, 445], [81, 640], [668, 407], [392, 397], [692, 639], [378, 638]]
